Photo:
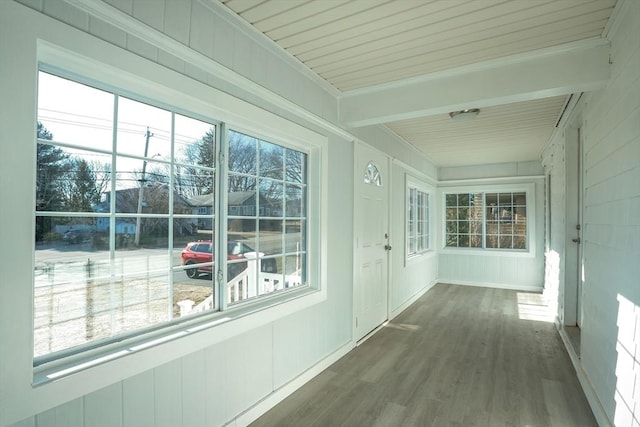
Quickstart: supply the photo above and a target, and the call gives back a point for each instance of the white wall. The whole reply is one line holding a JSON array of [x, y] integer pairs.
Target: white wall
[[611, 300], [411, 277], [609, 364], [504, 269]]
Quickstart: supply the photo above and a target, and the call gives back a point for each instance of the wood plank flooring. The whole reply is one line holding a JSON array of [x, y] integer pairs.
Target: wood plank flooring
[[459, 356]]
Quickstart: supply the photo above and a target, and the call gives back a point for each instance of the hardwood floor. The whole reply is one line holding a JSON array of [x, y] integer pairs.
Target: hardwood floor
[[459, 356]]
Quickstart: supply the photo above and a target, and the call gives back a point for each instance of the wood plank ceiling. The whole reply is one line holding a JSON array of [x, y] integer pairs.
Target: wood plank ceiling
[[356, 44]]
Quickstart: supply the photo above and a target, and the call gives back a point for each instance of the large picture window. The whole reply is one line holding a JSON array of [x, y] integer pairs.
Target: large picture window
[[496, 220], [417, 220], [130, 230]]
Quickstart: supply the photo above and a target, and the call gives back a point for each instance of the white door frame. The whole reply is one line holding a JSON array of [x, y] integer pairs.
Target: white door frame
[[574, 164]]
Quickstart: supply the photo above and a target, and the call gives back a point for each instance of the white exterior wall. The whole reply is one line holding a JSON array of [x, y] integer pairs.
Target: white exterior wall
[[503, 269], [610, 349], [609, 363]]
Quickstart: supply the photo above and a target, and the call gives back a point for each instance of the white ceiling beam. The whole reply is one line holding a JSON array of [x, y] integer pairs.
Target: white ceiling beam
[[577, 67]]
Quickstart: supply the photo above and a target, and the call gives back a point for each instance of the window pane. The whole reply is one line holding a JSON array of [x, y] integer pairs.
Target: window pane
[[295, 236], [294, 270], [463, 213], [69, 180], [242, 230], [271, 198], [296, 166], [55, 236], [452, 213], [195, 142], [295, 199], [243, 153], [271, 160], [63, 115], [451, 200], [506, 242], [143, 130], [506, 227], [242, 202], [270, 236]]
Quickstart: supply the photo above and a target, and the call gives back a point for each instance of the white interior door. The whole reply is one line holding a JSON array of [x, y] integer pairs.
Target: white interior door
[[371, 240]]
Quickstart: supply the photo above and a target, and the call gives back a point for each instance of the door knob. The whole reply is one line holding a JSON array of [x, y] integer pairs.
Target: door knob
[[576, 240], [387, 247]]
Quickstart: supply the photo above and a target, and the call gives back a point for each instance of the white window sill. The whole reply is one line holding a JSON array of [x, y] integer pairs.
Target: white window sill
[[175, 340]]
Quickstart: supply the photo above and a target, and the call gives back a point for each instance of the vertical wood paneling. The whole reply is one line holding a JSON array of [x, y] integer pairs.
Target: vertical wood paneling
[[224, 36], [67, 415], [215, 378], [151, 13], [168, 394], [138, 400], [201, 30], [193, 390], [612, 227], [242, 54], [177, 20], [29, 422], [250, 369], [103, 408]]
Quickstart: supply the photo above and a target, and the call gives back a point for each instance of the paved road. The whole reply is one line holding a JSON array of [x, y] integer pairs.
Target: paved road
[[69, 263]]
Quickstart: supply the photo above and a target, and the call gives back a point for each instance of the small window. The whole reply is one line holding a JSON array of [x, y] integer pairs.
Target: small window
[[486, 220], [372, 175], [417, 220]]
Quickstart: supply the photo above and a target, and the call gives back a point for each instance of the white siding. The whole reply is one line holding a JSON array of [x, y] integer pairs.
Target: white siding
[[610, 340], [611, 304]]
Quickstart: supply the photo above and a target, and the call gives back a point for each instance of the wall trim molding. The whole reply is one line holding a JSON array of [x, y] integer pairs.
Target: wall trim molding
[[277, 396]]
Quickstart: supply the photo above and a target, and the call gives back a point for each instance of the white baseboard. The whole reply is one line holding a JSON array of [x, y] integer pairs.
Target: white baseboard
[[522, 288], [402, 307], [589, 392], [261, 407]]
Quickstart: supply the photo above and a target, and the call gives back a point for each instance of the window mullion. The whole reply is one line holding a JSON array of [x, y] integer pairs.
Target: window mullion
[[220, 215], [484, 220], [171, 213]]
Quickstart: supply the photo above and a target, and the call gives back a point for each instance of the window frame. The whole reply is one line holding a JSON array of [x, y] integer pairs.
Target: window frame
[[413, 184], [240, 115], [527, 188]]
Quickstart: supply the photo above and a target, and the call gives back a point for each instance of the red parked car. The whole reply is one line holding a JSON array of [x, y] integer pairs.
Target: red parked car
[[202, 251]]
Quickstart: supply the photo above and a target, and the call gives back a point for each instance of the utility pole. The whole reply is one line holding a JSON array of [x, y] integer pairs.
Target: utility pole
[[142, 181]]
